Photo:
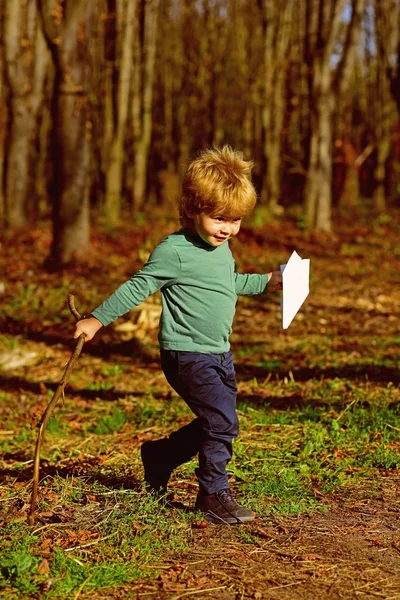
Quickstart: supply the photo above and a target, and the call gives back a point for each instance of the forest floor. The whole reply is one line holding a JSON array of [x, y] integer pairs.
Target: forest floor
[[318, 456]]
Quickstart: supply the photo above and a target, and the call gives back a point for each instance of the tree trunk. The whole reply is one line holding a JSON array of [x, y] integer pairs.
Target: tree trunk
[[217, 49], [68, 29], [42, 170], [384, 109], [351, 163], [184, 138], [27, 61], [319, 177], [71, 150], [168, 86], [324, 20], [379, 195], [114, 171], [3, 118], [272, 144], [143, 99], [277, 17]]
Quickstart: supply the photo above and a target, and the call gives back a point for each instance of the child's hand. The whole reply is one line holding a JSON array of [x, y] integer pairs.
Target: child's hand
[[274, 281], [88, 326]]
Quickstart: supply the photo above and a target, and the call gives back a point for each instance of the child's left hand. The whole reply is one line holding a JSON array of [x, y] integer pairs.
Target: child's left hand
[[274, 281]]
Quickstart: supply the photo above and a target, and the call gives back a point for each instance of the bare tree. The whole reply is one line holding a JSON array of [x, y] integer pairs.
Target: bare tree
[[26, 65], [3, 117], [191, 132], [142, 85], [324, 47], [277, 16], [242, 72], [117, 105], [216, 26], [394, 76], [384, 109], [142, 95], [353, 141], [68, 28]]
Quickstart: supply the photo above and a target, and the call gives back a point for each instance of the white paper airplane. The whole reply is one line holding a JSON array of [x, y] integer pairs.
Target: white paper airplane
[[295, 285]]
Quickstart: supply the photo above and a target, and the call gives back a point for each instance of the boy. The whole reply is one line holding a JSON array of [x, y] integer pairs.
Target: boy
[[194, 269]]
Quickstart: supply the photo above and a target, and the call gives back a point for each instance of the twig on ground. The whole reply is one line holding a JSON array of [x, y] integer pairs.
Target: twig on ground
[[91, 543], [46, 415], [198, 591], [78, 593]]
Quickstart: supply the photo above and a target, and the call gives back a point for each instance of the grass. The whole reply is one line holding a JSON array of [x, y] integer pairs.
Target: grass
[[96, 534], [116, 537], [318, 407], [286, 456]]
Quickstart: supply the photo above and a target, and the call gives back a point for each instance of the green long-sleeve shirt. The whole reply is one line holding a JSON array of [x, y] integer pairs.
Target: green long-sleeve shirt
[[199, 289]]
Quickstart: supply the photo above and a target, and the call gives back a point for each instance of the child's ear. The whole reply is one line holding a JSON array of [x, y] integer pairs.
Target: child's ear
[[189, 213]]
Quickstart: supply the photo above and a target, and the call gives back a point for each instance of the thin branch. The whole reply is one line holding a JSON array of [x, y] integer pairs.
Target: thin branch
[[47, 413], [343, 71], [361, 158]]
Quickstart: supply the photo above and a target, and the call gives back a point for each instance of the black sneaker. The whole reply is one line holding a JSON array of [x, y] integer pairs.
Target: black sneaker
[[157, 470], [222, 508]]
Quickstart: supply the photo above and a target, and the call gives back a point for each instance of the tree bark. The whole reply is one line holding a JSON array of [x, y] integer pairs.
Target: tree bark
[[217, 40], [27, 62], [3, 117], [319, 176], [119, 116], [143, 98], [247, 78], [277, 18], [68, 28], [169, 80], [351, 163], [384, 107], [324, 18]]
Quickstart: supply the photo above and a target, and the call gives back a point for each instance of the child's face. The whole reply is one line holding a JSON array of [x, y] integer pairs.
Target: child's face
[[216, 229]]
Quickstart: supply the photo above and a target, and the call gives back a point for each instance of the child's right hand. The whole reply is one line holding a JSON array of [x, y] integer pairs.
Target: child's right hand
[[88, 326]]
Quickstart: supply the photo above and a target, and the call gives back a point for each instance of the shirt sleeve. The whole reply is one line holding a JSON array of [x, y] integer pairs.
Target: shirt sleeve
[[162, 269], [251, 284]]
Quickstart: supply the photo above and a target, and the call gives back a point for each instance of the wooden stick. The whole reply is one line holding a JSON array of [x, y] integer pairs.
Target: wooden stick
[[46, 415]]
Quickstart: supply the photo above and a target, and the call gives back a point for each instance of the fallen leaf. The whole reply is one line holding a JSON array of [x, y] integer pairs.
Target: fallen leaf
[[310, 557], [200, 524], [44, 568]]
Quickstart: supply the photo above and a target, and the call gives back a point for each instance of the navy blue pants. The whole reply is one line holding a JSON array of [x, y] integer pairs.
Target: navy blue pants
[[207, 383]]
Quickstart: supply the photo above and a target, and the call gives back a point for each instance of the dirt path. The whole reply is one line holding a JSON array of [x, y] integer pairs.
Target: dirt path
[[352, 551]]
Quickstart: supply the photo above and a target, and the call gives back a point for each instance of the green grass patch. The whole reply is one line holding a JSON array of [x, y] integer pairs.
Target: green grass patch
[[300, 442], [283, 457], [111, 423], [115, 538]]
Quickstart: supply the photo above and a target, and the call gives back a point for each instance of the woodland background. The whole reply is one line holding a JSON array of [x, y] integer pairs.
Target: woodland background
[[103, 103]]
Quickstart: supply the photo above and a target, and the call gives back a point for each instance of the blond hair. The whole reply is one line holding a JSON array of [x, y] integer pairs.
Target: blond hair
[[218, 181]]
